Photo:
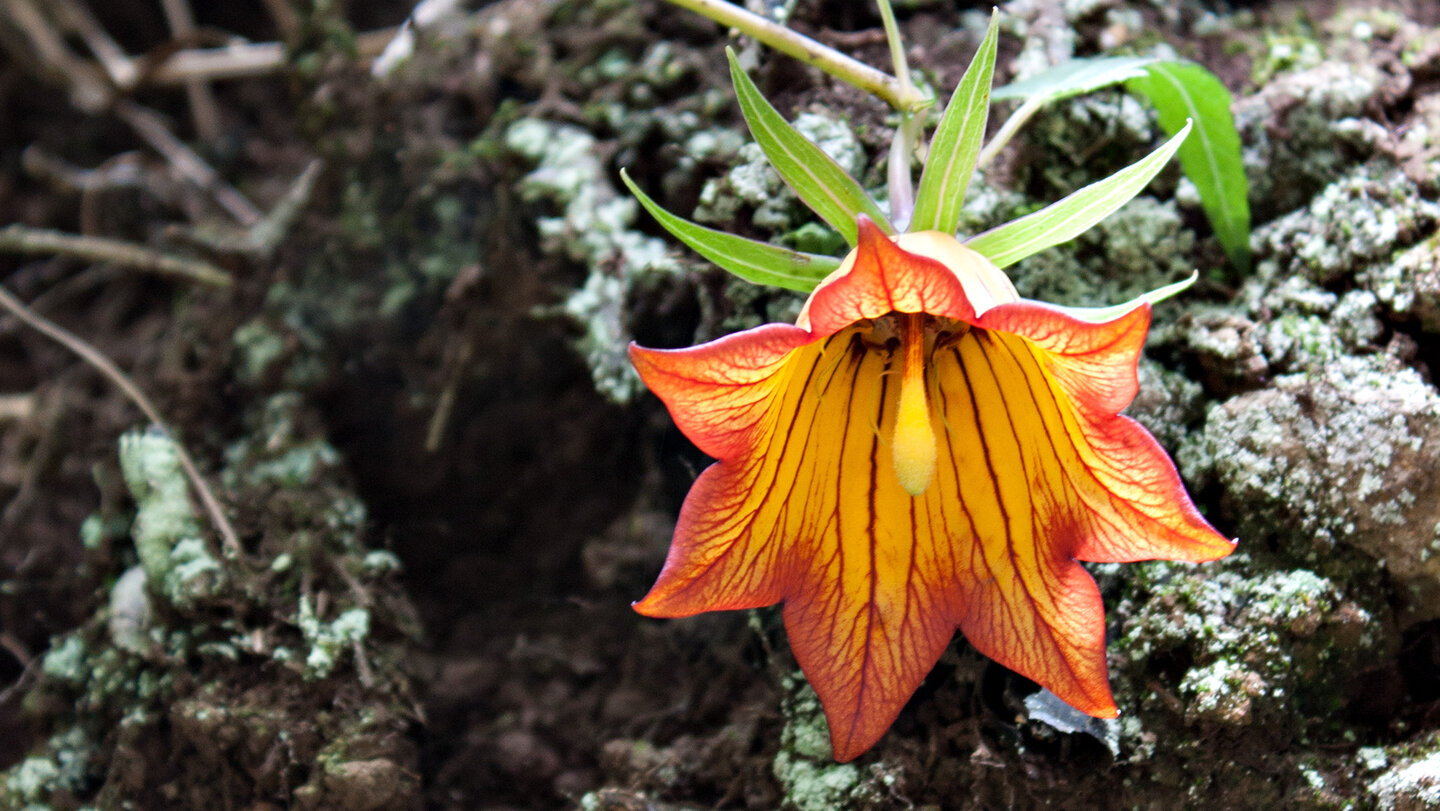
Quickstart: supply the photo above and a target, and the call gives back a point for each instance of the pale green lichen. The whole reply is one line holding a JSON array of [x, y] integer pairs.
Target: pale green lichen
[[33, 780], [257, 348], [1372, 758], [1284, 52], [1409, 287], [1356, 322], [379, 562], [811, 779], [167, 535], [1339, 454], [596, 228], [1360, 220], [68, 661], [1294, 342], [1222, 692], [1264, 645], [1412, 786], [277, 450], [330, 641]]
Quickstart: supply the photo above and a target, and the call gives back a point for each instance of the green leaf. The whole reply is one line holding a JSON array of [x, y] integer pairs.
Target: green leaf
[[1062, 221], [819, 181], [757, 262], [956, 145], [1073, 78], [1099, 315], [1211, 159]]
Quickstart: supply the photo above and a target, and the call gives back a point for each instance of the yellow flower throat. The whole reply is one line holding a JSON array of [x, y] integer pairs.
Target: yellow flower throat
[[913, 444]]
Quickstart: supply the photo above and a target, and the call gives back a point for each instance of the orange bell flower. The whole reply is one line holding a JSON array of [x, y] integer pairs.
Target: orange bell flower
[[922, 451]]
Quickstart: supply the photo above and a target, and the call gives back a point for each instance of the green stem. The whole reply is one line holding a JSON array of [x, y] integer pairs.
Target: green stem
[[907, 135], [895, 92], [1012, 125], [897, 49], [899, 182]]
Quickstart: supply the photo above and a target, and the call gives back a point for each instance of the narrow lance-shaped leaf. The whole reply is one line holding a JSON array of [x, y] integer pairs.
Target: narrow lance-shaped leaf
[[956, 145], [753, 261], [1064, 220], [1101, 315], [1211, 159], [1073, 78], [816, 178], [1062, 81]]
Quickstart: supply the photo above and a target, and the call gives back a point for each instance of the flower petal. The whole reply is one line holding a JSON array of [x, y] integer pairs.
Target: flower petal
[[815, 516], [717, 392], [1004, 496], [1080, 375], [880, 277]]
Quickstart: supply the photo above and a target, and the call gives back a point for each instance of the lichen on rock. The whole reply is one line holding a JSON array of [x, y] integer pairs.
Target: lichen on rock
[[1413, 786], [803, 765], [1409, 287], [168, 538], [595, 228], [1289, 128], [1262, 645], [753, 182], [1361, 219], [1339, 456]]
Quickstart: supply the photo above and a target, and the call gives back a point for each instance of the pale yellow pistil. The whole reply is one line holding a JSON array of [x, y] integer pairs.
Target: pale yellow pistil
[[913, 445]]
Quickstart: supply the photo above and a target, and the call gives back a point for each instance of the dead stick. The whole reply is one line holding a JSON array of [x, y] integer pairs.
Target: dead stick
[[152, 128], [204, 112], [246, 59], [120, 67], [106, 367], [88, 91], [23, 239]]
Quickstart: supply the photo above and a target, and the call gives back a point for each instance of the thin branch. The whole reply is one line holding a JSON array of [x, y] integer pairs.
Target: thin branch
[[1012, 125], [152, 128], [907, 135], [88, 90], [237, 61], [106, 367], [23, 239], [247, 59], [897, 49], [809, 51], [204, 112], [118, 65]]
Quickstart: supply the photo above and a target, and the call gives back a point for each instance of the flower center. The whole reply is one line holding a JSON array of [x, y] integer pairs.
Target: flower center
[[913, 444]]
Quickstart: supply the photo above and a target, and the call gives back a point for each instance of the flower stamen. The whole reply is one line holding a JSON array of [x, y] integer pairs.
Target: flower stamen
[[913, 443]]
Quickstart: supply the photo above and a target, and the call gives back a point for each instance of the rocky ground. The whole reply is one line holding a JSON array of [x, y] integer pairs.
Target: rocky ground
[[446, 485]]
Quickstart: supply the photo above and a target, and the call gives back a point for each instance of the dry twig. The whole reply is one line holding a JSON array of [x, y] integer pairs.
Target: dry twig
[[88, 90], [23, 239], [152, 128], [106, 367], [117, 64], [204, 112]]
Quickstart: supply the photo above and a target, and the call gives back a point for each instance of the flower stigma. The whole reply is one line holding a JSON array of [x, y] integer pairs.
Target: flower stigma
[[913, 444]]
